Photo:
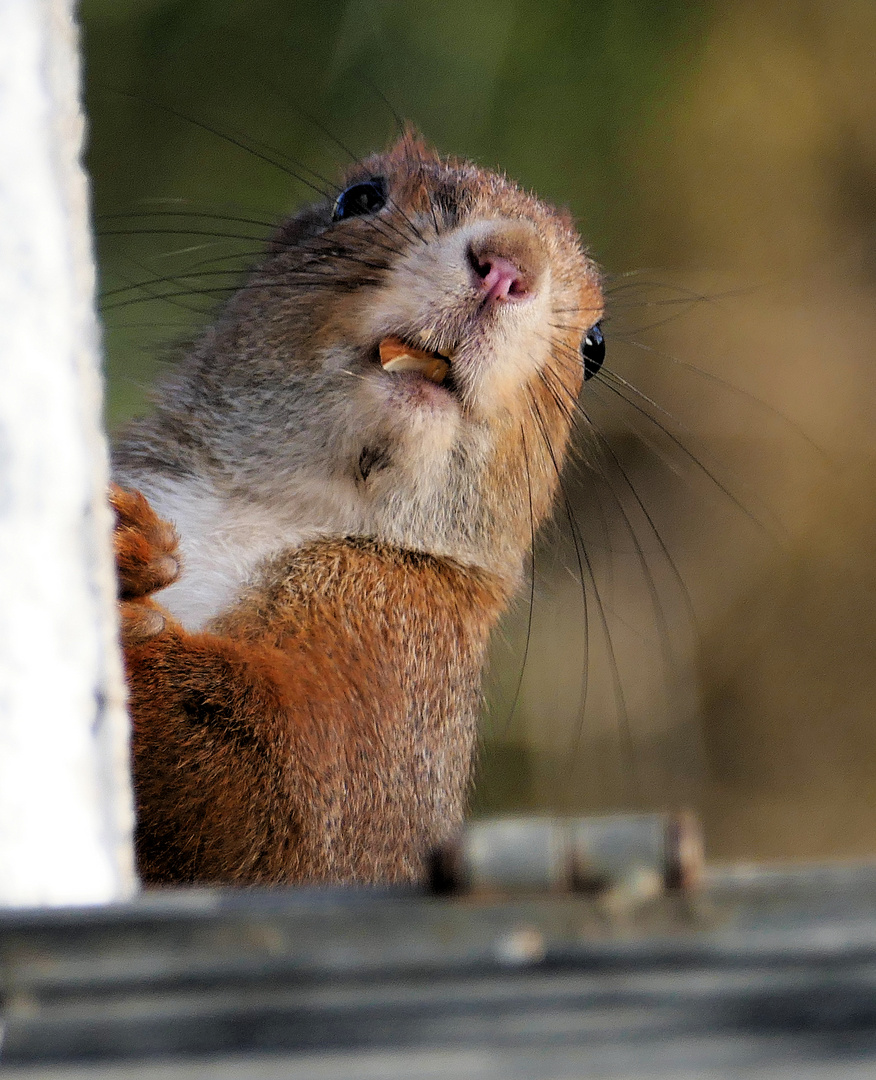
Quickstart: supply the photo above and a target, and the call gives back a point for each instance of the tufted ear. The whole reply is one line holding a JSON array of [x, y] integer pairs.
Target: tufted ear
[[565, 215], [411, 146]]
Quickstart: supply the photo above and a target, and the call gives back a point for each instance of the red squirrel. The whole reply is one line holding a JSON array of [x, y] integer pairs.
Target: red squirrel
[[334, 501]]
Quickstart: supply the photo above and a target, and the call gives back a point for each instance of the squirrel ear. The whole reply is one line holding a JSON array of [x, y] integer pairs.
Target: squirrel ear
[[411, 146], [566, 216]]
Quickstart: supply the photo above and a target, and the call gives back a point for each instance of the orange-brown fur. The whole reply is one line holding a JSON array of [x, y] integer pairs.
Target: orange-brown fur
[[320, 726], [301, 726]]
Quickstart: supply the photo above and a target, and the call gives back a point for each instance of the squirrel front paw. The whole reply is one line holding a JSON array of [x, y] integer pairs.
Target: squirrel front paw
[[147, 560]]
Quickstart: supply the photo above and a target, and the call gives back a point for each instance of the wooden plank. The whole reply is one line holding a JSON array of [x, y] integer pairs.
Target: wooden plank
[[762, 971]]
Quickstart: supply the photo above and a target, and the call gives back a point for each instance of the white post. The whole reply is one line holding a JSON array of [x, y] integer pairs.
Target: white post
[[65, 802]]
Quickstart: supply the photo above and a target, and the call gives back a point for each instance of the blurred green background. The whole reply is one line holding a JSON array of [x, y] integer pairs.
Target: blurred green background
[[721, 162]]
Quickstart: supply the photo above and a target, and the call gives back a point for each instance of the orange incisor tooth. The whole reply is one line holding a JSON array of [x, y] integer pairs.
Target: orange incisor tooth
[[395, 355]]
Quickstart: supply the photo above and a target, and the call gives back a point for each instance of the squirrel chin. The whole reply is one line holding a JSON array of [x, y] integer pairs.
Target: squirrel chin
[[409, 387]]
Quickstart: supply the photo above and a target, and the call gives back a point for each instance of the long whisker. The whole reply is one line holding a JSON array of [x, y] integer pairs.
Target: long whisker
[[167, 231], [313, 281], [174, 299], [617, 684], [664, 638], [243, 143], [738, 391], [617, 384], [235, 272], [580, 557], [516, 698]]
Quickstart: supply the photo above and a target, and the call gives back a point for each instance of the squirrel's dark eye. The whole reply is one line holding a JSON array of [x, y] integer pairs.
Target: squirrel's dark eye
[[593, 351], [365, 198]]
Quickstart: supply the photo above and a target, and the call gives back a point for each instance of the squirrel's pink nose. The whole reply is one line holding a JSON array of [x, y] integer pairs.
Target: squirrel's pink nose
[[498, 278]]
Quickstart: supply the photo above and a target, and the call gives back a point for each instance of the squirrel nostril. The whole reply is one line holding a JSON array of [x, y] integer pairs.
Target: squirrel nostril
[[499, 278]]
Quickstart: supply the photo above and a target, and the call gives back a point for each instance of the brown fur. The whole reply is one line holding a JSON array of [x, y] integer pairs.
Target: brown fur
[[321, 725], [318, 743]]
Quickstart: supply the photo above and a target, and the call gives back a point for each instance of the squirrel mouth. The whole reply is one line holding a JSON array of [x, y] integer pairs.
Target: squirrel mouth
[[397, 356]]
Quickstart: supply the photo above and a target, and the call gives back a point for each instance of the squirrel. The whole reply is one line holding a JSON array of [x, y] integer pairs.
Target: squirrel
[[334, 501]]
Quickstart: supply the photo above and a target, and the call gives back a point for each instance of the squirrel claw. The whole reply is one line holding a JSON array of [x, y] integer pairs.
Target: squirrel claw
[[140, 621], [146, 560], [145, 546]]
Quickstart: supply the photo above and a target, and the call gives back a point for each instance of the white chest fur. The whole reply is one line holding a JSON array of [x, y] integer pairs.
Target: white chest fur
[[223, 541]]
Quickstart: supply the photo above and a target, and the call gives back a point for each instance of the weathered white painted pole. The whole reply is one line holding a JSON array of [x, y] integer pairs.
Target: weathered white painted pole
[[65, 804]]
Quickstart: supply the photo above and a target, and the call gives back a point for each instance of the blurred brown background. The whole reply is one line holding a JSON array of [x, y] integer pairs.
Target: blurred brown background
[[721, 161]]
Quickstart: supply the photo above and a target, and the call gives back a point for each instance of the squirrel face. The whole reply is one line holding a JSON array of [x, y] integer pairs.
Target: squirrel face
[[404, 363]]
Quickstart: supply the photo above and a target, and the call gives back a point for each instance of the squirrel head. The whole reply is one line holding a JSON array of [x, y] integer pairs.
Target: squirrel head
[[408, 351]]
